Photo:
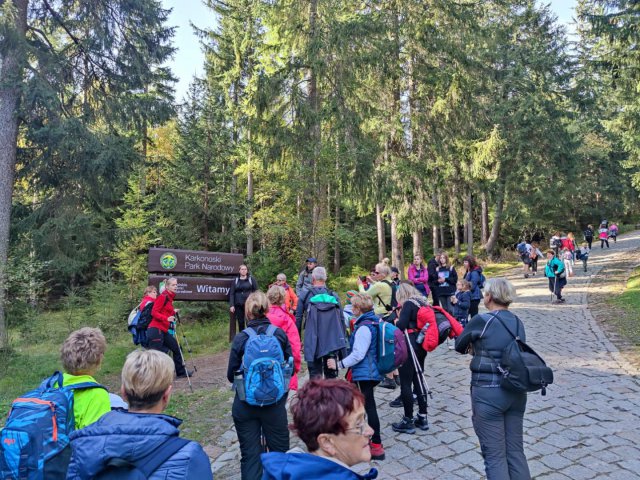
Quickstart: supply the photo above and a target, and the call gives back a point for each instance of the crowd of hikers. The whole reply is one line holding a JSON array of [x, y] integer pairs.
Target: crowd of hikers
[[379, 337]]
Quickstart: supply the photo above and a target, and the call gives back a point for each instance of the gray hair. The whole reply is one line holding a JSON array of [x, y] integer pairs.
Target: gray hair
[[319, 274], [501, 290], [406, 291], [281, 277]]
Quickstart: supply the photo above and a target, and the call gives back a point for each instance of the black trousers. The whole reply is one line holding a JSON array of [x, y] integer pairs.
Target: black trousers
[[409, 381], [318, 368], [434, 294], [534, 264], [604, 241], [473, 309], [250, 423], [366, 387], [165, 342], [589, 240], [239, 316]]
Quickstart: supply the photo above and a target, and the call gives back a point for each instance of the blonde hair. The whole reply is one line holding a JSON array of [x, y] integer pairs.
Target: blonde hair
[[466, 285], [146, 375], [149, 289], [362, 302], [406, 291], [257, 305], [383, 269], [275, 295], [501, 290], [83, 351]]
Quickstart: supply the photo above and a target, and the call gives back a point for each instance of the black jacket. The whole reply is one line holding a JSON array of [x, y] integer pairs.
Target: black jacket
[[241, 289], [487, 351], [260, 325], [447, 288], [433, 274]]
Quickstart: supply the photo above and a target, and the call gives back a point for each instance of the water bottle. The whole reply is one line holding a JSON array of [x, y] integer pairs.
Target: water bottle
[[238, 385], [422, 334], [288, 372]]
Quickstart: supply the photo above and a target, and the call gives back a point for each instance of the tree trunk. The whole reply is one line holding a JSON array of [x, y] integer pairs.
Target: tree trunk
[[417, 243], [492, 242], [396, 245], [336, 240], [440, 220], [234, 178], [485, 217], [453, 213], [382, 243], [469, 221], [434, 232], [11, 78], [249, 205]]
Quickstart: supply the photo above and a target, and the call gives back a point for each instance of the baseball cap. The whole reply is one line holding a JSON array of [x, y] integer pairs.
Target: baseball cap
[[312, 260]]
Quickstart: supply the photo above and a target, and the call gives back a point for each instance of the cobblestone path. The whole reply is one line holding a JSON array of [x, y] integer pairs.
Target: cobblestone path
[[587, 427]]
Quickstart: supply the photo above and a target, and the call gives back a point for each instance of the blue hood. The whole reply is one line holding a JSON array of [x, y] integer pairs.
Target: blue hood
[[125, 435], [305, 466]]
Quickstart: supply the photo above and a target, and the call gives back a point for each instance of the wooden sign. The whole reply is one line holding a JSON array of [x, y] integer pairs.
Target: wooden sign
[[198, 288], [171, 261]]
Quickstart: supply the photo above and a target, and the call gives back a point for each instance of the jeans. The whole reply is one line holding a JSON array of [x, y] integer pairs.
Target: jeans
[[556, 284], [250, 423], [367, 387], [445, 302], [318, 368], [158, 340], [497, 416], [409, 381]]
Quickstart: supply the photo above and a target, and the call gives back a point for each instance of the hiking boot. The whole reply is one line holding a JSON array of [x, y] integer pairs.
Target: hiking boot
[[396, 378], [526, 275], [388, 383], [421, 422], [404, 426], [188, 373], [396, 403], [377, 451], [562, 300]]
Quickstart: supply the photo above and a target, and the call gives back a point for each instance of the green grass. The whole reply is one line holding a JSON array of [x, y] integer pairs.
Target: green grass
[[628, 301]]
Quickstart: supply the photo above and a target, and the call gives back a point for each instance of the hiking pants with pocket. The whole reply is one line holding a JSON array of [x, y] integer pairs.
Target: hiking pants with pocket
[[165, 342], [497, 416], [251, 422]]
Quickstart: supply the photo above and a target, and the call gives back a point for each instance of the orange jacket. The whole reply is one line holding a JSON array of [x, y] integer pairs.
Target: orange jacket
[[290, 297]]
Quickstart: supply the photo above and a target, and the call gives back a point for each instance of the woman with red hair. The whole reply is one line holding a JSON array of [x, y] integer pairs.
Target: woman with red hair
[[329, 417]]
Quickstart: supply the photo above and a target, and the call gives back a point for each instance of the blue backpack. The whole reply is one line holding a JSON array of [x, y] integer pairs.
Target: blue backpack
[[34, 444], [263, 366], [392, 348]]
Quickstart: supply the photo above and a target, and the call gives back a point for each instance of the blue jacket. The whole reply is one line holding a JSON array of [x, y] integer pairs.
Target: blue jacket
[[305, 466], [367, 368], [130, 436], [461, 309], [474, 278], [554, 266]]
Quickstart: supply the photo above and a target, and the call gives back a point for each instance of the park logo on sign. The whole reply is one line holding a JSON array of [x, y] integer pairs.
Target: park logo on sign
[[168, 261]]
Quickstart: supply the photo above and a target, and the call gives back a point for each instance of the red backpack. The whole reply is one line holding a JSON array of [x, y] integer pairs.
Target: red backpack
[[441, 325]]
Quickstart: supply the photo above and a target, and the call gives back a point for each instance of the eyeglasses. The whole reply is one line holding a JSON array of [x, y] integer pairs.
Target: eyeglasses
[[376, 273], [361, 427]]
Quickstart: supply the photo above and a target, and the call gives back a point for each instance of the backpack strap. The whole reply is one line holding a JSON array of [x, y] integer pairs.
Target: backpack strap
[[271, 330], [85, 385], [250, 332]]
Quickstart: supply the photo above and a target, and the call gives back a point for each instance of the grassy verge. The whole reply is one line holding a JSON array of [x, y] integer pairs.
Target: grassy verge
[[628, 303]]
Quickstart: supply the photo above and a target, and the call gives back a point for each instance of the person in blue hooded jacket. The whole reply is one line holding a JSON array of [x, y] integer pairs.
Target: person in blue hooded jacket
[[131, 437], [556, 274], [473, 275], [329, 417], [363, 364]]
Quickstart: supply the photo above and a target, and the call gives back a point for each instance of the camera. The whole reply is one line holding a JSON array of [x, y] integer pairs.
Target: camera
[[363, 278]]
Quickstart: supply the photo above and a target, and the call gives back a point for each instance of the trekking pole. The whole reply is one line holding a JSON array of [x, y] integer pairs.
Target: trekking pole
[[186, 343], [184, 364], [424, 386]]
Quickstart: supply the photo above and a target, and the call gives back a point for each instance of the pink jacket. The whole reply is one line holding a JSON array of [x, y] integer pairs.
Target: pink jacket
[[419, 277], [279, 317]]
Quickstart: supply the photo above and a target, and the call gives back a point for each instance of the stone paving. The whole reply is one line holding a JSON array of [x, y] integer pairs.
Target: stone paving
[[587, 427]]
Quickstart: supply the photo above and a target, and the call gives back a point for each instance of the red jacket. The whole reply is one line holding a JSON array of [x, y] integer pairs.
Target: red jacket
[[162, 310], [146, 299], [427, 315], [279, 317]]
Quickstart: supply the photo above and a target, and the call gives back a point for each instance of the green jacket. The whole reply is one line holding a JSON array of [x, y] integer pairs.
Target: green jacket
[[554, 267], [89, 404]]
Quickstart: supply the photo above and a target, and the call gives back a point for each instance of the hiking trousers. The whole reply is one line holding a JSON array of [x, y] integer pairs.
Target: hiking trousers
[[165, 342], [366, 387], [409, 381], [251, 422], [497, 416], [319, 369]]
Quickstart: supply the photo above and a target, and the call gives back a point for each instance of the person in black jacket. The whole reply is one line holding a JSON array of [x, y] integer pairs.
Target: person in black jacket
[[498, 414], [243, 286], [432, 268], [250, 421], [446, 283]]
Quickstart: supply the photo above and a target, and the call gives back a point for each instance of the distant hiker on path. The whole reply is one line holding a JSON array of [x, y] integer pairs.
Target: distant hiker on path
[[556, 274], [304, 278], [243, 286], [588, 235]]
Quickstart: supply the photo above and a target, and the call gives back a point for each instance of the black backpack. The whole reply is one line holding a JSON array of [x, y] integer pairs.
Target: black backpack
[[394, 302], [522, 369]]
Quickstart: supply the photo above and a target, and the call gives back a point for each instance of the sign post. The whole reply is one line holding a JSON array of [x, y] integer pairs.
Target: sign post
[[165, 262]]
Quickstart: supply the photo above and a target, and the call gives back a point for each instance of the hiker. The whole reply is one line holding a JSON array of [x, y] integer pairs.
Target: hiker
[[325, 333], [290, 297], [524, 250], [362, 364], [409, 301], [535, 254], [498, 414], [613, 232], [588, 235], [251, 421], [329, 417], [381, 290], [572, 246], [461, 301], [160, 334], [304, 278], [143, 437], [567, 258], [279, 316], [150, 294], [557, 275], [81, 355], [603, 235], [395, 277], [447, 279], [473, 275], [243, 286], [583, 254], [418, 273]]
